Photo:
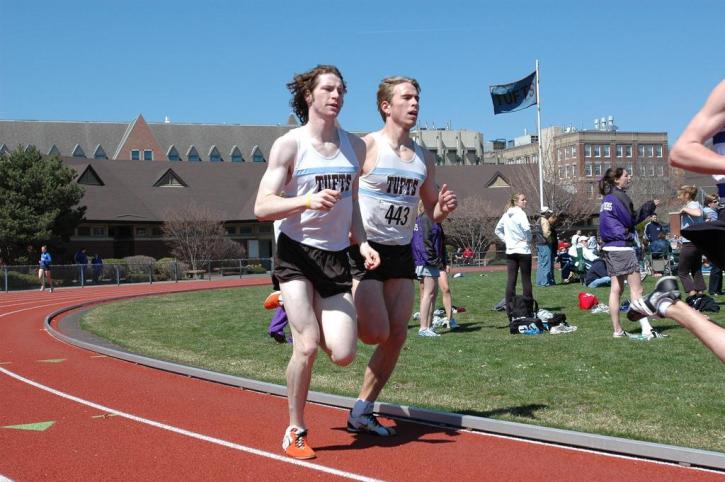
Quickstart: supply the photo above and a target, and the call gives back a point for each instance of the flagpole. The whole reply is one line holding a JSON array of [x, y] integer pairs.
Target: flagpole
[[538, 128]]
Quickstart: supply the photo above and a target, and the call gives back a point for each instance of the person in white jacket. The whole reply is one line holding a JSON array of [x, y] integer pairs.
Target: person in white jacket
[[515, 231]]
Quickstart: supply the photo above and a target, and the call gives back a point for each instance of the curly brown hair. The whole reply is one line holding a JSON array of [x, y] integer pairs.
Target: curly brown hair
[[306, 82]]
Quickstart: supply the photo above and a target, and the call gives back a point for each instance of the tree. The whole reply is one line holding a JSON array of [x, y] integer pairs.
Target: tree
[[40, 202], [198, 235], [472, 224]]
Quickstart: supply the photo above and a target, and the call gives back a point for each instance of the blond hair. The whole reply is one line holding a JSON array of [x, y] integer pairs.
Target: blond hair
[[386, 87], [689, 191]]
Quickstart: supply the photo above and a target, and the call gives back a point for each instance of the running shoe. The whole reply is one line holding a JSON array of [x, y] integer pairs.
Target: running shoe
[[368, 423], [665, 289], [295, 445], [273, 300], [452, 324], [653, 335], [621, 334]]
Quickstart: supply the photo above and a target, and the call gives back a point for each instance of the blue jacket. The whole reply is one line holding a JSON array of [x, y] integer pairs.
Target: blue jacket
[[428, 243], [45, 260], [617, 219]]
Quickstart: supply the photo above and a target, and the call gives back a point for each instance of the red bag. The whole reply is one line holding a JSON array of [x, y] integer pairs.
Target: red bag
[[587, 301]]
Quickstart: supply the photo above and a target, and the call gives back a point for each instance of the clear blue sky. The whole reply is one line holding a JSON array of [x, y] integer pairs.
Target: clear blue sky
[[650, 64]]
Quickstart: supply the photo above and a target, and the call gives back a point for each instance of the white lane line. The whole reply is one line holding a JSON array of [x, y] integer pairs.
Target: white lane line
[[188, 433]]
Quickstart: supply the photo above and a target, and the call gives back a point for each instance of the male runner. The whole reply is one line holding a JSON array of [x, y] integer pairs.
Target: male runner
[[396, 172], [311, 184]]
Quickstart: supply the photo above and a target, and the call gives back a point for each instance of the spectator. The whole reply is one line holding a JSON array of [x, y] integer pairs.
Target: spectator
[[593, 245], [97, 267], [468, 255], [429, 255], [545, 254], [660, 247], [689, 268], [711, 214], [616, 228], [81, 259], [652, 229], [44, 269], [515, 231], [597, 275], [553, 220], [575, 237], [566, 263]]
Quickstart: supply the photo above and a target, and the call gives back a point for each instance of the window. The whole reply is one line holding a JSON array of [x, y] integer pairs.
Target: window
[[597, 169], [245, 230], [54, 151], [587, 150], [173, 154], [156, 231], [658, 150], [606, 166], [597, 150], [588, 169], [620, 150], [642, 170], [561, 172], [99, 231], [629, 168], [214, 155], [231, 230], [236, 155], [651, 170], [148, 155], [559, 155], [264, 228], [660, 170], [592, 191], [650, 150], [78, 151], [607, 153], [135, 155], [574, 170], [100, 153], [628, 150], [640, 150], [140, 231], [193, 155], [257, 156]]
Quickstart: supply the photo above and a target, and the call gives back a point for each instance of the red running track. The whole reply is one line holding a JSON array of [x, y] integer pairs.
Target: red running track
[[115, 420]]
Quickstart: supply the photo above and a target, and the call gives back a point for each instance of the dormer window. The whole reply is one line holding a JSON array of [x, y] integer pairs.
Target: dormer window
[[173, 154], [257, 155], [54, 151], [135, 155], [148, 155], [100, 153], [214, 155], [193, 155], [78, 151], [236, 155]]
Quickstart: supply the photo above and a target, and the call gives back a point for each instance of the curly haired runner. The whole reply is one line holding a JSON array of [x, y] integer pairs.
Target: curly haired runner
[[311, 184]]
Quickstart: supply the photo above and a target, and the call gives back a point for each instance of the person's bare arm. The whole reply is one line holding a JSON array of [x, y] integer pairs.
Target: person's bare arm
[[438, 204], [270, 204], [357, 229], [711, 335], [689, 152]]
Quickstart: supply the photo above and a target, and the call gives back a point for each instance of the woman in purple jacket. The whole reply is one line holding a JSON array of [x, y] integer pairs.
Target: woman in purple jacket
[[617, 221]]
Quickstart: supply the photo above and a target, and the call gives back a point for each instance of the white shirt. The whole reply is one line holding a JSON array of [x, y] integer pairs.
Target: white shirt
[[515, 231]]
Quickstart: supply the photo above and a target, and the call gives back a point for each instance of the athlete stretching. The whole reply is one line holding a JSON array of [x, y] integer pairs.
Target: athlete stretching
[[311, 184], [395, 174]]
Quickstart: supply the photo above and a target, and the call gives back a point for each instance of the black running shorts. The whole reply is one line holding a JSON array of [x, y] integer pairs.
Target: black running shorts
[[328, 271], [396, 261]]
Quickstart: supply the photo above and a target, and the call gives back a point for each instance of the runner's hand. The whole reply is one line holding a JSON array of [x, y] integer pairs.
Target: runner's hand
[[372, 258], [447, 199], [323, 200]]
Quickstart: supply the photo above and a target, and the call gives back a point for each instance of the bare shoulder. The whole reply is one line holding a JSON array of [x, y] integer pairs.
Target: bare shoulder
[[284, 148], [371, 152], [358, 145]]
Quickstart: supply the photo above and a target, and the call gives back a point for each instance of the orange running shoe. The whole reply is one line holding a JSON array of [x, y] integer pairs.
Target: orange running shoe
[[273, 301], [295, 445]]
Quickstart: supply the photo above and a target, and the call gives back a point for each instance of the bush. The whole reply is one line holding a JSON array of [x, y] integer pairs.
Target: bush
[[164, 269], [139, 264], [109, 271], [255, 269]]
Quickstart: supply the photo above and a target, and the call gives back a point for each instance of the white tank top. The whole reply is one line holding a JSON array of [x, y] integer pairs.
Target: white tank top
[[389, 194], [313, 172]]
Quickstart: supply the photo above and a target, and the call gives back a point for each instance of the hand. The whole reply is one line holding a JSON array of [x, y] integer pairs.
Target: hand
[[372, 258], [323, 200], [447, 199]]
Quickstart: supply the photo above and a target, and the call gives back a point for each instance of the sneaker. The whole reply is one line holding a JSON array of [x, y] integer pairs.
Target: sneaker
[[295, 445], [666, 288], [273, 300], [452, 324], [600, 308], [439, 312], [367, 423], [427, 332], [416, 315], [621, 334], [653, 335], [280, 337], [624, 306]]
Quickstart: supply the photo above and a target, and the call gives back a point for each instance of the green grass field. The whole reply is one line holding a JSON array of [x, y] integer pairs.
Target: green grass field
[[668, 391]]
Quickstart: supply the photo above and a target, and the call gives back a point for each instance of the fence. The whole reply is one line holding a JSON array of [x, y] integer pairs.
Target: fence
[[24, 277]]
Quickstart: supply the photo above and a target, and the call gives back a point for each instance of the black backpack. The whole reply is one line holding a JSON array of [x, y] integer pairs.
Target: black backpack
[[522, 312], [703, 303]]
